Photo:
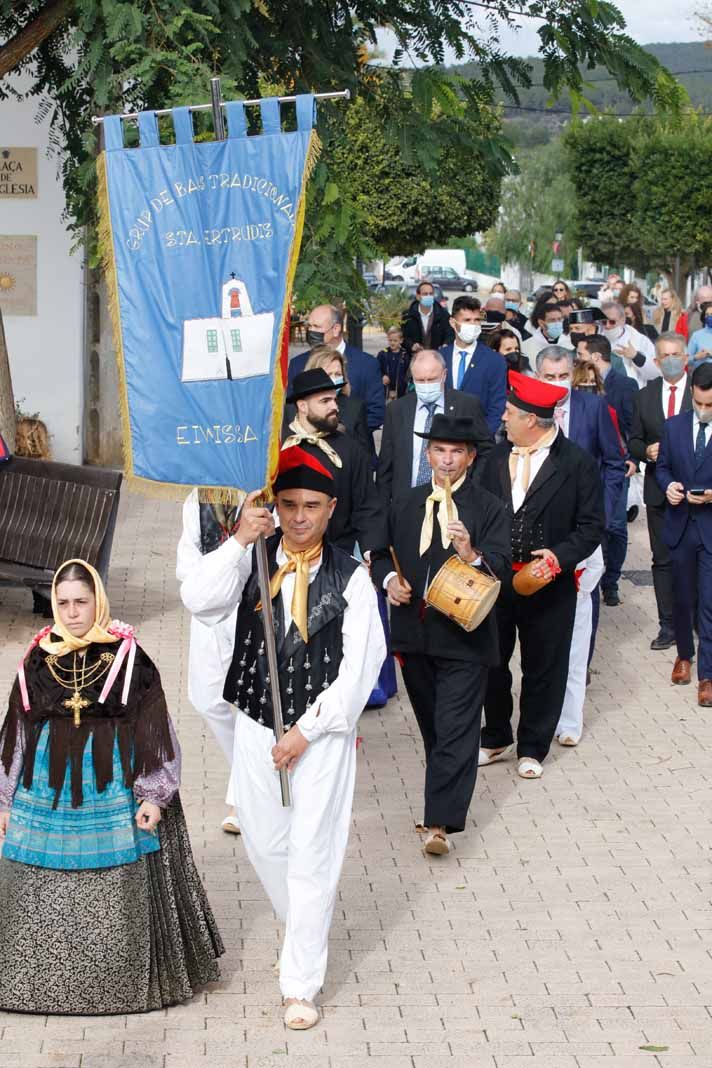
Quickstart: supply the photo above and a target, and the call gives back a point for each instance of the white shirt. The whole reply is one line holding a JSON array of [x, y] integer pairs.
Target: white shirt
[[421, 414], [643, 345], [536, 462], [341, 347], [678, 394], [565, 407], [535, 344], [218, 591], [457, 351], [424, 320]]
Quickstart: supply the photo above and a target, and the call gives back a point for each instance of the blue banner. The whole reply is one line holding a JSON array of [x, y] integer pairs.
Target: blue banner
[[200, 242]]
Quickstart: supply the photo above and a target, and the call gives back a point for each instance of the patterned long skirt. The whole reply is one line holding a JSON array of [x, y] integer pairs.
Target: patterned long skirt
[[130, 938]]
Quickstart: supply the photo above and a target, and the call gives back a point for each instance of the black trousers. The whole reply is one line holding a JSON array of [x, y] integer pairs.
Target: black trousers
[[545, 624], [447, 697], [662, 564]]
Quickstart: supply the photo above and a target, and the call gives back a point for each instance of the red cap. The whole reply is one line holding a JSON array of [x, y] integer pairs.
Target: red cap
[[298, 469], [532, 395]]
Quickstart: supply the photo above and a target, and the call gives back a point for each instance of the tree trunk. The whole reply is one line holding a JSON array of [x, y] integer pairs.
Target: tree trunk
[[31, 36], [7, 400]]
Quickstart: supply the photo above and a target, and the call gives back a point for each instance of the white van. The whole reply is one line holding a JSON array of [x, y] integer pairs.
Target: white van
[[442, 257]]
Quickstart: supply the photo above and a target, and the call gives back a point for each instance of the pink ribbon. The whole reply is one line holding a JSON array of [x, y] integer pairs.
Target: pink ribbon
[[128, 645], [21, 669]]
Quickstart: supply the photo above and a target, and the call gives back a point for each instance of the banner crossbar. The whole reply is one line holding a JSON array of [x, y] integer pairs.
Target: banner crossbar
[[344, 94]]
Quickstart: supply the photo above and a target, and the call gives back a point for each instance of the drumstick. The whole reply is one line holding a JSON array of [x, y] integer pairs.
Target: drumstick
[[448, 498], [396, 565]]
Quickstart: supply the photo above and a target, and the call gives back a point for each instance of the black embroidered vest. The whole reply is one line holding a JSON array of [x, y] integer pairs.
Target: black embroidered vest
[[212, 532], [304, 670], [527, 534]]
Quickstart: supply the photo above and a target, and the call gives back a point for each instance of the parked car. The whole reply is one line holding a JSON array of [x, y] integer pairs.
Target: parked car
[[370, 279], [448, 278]]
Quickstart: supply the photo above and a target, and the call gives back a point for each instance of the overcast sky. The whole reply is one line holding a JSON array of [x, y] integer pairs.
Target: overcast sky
[[648, 22]]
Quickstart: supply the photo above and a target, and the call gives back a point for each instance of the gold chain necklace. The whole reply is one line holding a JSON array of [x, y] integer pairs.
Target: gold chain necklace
[[79, 681]]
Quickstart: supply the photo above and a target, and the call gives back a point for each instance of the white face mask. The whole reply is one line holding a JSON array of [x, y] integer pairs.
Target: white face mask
[[704, 416], [614, 333], [427, 392], [468, 332]]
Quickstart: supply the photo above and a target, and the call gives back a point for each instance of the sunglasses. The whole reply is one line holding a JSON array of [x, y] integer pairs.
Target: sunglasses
[[612, 322]]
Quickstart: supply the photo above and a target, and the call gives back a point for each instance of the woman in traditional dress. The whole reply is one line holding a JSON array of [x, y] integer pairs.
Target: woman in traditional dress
[[102, 908]]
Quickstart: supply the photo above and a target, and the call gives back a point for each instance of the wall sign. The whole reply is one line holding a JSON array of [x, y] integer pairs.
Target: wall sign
[[18, 173], [18, 274]]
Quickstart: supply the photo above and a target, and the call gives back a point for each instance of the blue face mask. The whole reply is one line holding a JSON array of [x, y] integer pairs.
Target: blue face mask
[[427, 301], [511, 305], [708, 322], [338, 382], [428, 391], [554, 330]]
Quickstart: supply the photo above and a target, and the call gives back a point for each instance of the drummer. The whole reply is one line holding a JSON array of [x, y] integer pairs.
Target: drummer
[[444, 666]]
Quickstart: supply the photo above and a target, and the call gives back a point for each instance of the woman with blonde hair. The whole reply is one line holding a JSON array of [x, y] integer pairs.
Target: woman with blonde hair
[[103, 910], [669, 314]]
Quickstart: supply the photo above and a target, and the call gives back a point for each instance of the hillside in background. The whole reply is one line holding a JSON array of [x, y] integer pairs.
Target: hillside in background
[[531, 122]]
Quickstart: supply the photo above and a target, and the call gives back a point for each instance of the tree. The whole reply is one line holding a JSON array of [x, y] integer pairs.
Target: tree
[[642, 191], [537, 203]]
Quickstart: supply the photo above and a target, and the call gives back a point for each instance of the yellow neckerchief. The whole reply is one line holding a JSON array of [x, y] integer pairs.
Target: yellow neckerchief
[[313, 437], [299, 563], [438, 496], [527, 451], [97, 632]]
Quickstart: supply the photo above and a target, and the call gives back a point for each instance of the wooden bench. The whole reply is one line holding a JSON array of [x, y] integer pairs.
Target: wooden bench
[[51, 512]]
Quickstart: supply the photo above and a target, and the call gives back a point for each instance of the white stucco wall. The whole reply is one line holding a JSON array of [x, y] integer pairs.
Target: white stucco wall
[[46, 350]]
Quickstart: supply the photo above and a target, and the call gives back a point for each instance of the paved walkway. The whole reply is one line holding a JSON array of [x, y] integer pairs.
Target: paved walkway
[[570, 928]]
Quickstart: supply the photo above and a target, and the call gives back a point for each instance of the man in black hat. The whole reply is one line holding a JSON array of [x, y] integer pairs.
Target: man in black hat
[[580, 324], [357, 516], [444, 666]]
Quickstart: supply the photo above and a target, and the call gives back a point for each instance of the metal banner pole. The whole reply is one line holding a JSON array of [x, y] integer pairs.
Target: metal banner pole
[[260, 544]]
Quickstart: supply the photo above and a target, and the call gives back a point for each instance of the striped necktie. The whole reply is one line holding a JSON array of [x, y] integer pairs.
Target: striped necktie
[[424, 470]]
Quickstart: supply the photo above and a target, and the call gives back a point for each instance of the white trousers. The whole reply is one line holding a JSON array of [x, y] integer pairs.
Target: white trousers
[[571, 719], [297, 852]]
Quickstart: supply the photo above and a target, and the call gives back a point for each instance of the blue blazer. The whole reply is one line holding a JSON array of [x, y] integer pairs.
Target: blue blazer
[[676, 463], [485, 378], [620, 394], [591, 427], [364, 375]]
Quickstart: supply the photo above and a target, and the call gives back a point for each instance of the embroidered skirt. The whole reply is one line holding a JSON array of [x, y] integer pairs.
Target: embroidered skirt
[[128, 938], [101, 833]]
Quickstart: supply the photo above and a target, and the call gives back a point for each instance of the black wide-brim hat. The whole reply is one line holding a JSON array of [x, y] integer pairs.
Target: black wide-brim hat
[[585, 315], [450, 428], [308, 382]]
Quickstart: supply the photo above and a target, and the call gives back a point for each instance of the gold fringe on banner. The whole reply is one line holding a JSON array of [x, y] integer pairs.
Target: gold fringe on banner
[[171, 490]]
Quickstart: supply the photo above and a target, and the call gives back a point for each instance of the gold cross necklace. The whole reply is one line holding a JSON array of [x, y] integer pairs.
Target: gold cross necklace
[[78, 681]]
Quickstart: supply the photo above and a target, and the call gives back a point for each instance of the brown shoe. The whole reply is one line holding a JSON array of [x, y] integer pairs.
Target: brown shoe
[[704, 693], [681, 673]]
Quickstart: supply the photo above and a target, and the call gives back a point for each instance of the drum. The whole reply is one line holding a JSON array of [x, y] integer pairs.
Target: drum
[[462, 593]]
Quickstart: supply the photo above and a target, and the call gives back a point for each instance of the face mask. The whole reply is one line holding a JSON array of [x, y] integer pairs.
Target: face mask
[[703, 416], [588, 387], [511, 305], [554, 330], [468, 332], [616, 292], [427, 301], [563, 385], [708, 322], [314, 337], [495, 317], [577, 336], [672, 367], [613, 334], [338, 382], [428, 391]]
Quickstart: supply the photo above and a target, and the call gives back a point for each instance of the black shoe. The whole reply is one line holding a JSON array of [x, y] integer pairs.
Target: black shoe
[[632, 513], [664, 640], [611, 597]]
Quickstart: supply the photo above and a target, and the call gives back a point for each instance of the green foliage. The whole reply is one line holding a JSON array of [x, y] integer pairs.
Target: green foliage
[[387, 309], [536, 204], [643, 191], [408, 206]]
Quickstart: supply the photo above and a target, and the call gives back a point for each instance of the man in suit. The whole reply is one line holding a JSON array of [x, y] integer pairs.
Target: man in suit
[[472, 366], [426, 325], [403, 461], [357, 515], [660, 400], [444, 666], [620, 393], [586, 421], [324, 327], [552, 490], [684, 474]]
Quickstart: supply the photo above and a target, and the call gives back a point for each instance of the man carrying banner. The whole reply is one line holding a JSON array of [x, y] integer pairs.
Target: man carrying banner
[[330, 646]]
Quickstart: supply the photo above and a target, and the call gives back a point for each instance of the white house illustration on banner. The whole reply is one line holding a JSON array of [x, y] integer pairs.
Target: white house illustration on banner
[[236, 345]]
